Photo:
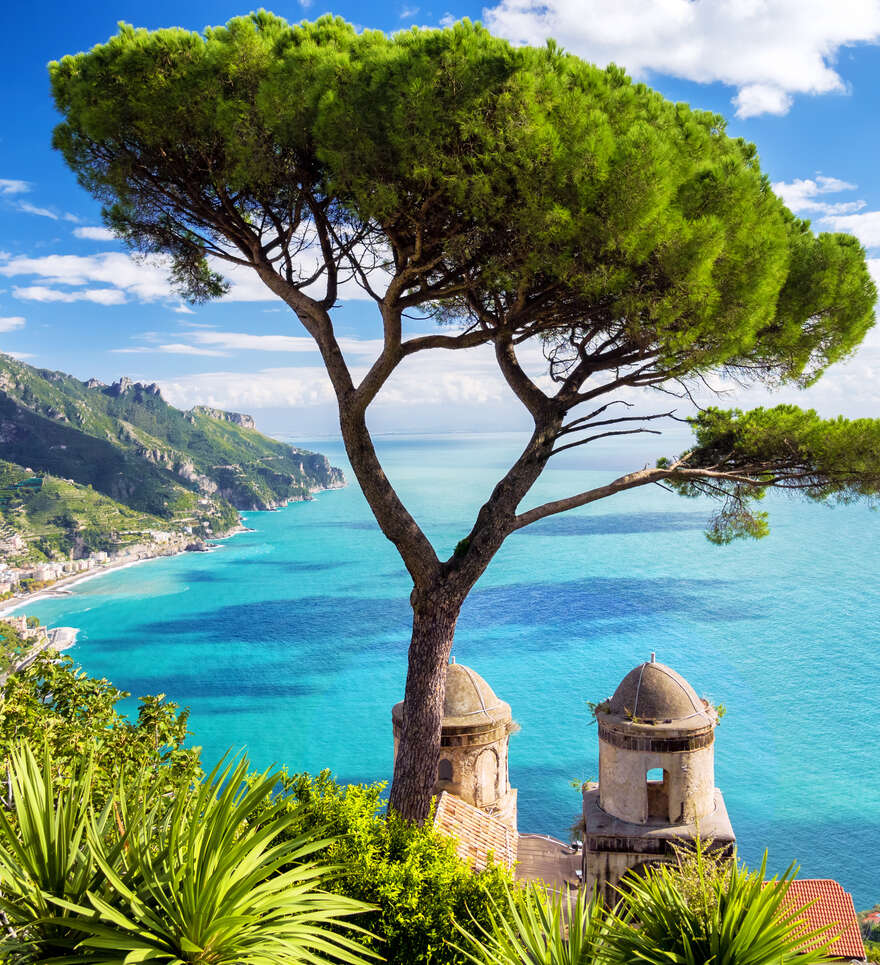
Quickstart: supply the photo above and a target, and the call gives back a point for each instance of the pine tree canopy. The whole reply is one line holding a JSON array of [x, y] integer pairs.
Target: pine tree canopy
[[509, 192]]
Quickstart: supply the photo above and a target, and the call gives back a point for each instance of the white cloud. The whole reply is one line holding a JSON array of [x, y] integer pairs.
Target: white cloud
[[94, 234], [435, 378], [42, 293], [408, 12], [244, 341], [769, 49], [11, 322], [143, 278], [171, 348], [18, 355], [182, 309], [865, 226], [755, 99], [33, 209], [802, 195], [13, 186]]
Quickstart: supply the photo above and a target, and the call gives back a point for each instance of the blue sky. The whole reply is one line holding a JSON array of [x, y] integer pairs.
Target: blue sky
[[800, 78]]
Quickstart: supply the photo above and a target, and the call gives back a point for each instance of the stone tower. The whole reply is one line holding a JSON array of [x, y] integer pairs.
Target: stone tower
[[474, 737], [656, 777]]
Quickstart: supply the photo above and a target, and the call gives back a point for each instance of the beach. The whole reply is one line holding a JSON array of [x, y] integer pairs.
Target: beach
[[62, 587]]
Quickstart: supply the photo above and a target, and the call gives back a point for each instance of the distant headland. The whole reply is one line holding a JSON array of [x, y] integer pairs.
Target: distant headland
[[96, 476]]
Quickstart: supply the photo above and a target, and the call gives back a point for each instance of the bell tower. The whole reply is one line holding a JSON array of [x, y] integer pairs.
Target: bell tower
[[656, 778], [474, 737]]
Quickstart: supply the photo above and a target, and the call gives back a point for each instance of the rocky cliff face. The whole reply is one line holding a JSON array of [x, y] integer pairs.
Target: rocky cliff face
[[127, 442], [236, 418]]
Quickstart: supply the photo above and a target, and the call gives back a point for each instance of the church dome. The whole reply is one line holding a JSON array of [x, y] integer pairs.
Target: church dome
[[467, 694], [654, 692], [469, 706]]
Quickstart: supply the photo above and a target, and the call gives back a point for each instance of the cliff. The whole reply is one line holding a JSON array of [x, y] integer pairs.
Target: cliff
[[125, 442]]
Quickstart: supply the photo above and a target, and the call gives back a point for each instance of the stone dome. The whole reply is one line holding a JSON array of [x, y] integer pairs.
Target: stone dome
[[470, 705], [654, 692], [468, 695]]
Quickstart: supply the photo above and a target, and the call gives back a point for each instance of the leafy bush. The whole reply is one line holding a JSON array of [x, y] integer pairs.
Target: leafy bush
[[539, 927], [412, 874], [53, 701], [735, 917]]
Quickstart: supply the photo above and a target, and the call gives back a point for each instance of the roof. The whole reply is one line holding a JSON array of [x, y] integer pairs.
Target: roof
[[469, 699], [469, 703], [654, 692], [477, 835], [833, 906]]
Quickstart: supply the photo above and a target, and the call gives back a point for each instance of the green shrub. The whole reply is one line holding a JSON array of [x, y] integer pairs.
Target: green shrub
[[53, 701], [412, 874], [736, 917], [539, 927]]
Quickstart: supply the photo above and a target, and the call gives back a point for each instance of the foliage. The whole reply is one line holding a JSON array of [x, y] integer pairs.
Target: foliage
[[636, 210], [77, 717], [872, 951], [539, 927], [201, 875], [410, 873], [211, 879], [12, 645], [44, 856], [706, 914], [786, 447], [145, 461]]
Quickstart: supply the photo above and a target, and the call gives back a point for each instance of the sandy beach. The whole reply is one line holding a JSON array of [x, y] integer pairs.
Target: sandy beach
[[63, 586]]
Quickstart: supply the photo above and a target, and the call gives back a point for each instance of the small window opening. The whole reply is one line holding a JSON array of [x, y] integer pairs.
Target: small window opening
[[658, 794], [444, 770]]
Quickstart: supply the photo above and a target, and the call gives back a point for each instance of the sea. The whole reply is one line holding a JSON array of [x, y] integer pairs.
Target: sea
[[290, 641]]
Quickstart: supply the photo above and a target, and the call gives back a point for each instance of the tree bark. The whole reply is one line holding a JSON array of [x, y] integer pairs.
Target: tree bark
[[418, 750]]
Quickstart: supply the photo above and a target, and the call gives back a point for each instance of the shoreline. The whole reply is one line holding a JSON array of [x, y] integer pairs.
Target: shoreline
[[61, 588]]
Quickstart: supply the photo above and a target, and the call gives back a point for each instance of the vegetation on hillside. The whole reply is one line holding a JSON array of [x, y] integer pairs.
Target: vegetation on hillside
[[63, 517], [119, 458]]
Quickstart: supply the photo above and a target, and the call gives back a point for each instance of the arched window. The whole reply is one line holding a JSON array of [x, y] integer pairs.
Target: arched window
[[658, 794], [444, 770]]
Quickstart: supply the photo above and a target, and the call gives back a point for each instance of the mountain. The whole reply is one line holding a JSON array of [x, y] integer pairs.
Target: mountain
[[125, 442]]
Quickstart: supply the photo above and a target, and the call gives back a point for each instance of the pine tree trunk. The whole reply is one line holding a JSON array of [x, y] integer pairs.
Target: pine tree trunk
[[418, 750]]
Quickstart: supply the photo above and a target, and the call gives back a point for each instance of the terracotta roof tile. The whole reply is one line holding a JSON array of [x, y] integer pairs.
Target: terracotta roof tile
[[476, 834], [833, 906]]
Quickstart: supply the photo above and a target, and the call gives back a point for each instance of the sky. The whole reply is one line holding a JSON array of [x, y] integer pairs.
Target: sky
[[799, 78]]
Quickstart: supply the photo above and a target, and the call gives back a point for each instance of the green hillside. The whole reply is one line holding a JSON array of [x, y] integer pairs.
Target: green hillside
[[58, 517], [147, 458]]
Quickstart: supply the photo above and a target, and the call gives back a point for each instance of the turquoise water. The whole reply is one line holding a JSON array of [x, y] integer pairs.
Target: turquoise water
[[292, 641]]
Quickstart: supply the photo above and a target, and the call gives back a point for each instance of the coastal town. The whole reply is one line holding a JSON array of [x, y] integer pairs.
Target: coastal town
[[23, 580]]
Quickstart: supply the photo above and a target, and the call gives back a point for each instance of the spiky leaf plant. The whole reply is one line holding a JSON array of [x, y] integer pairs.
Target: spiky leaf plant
[[203, 880], [44, 855], [537, 927], [736, 918]]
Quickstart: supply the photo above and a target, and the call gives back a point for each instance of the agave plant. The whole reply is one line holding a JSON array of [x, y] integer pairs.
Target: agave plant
[[736, 918], [210, 877], [535, 927], [44, 855]]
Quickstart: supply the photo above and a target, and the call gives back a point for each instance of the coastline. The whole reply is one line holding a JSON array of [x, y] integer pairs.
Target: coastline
[[62, 587]]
